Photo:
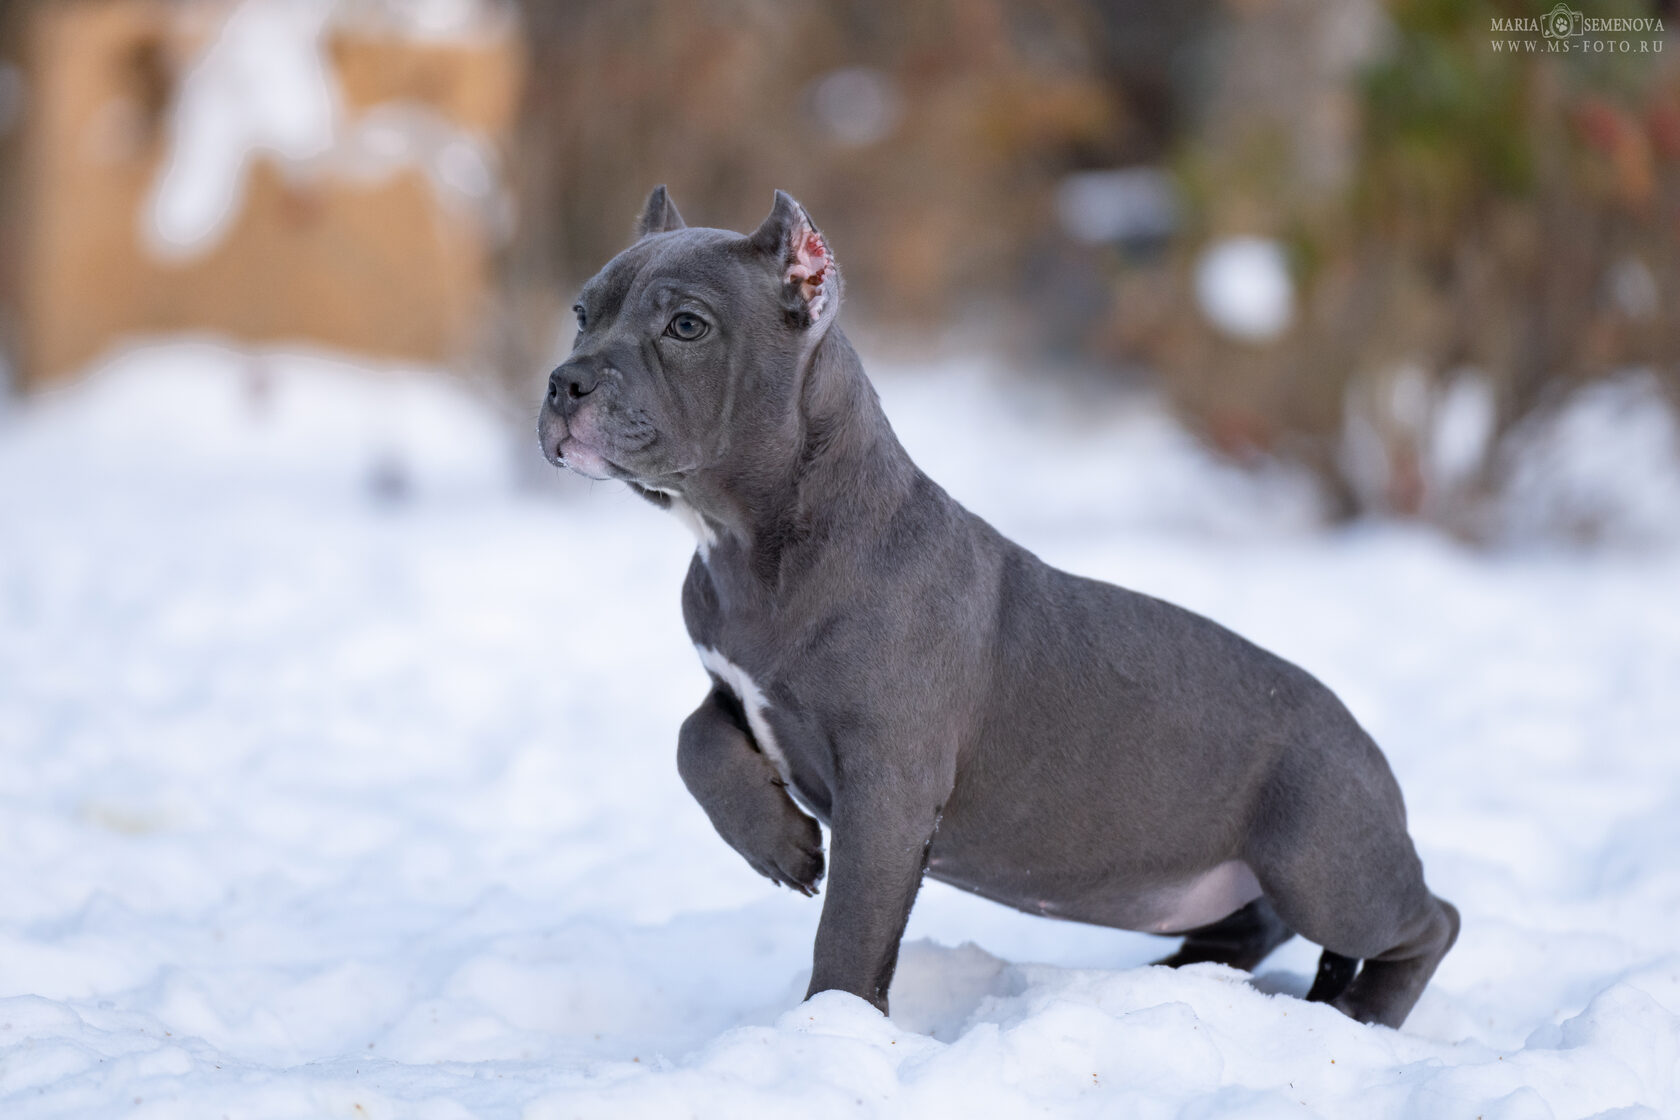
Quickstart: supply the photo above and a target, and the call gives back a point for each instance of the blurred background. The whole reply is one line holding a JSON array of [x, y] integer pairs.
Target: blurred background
[[1432, 264]]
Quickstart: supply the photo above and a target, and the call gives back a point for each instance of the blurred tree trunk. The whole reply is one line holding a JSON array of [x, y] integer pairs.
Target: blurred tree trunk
[[925, 139], [12, 94]]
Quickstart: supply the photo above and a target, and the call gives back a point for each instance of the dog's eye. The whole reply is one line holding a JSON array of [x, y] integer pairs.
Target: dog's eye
[[686, 326], [583, 319]]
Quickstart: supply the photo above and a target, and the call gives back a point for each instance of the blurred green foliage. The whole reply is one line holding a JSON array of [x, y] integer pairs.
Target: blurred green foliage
[[1509, 212]]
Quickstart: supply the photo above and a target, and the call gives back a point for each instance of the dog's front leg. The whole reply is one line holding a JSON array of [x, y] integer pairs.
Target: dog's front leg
[[881, 829], [745, 798]]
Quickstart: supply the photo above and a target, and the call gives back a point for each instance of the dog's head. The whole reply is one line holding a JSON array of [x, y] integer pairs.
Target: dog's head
[[690, 347]]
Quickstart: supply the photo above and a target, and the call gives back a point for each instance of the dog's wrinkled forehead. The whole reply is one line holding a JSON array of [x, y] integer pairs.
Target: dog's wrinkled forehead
[[711, 264]]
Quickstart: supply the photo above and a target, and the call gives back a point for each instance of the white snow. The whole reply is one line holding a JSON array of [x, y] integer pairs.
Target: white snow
[[1463, 415], [262, 87], [262, 84], [319, 803], [1568, 469], [857, 105], [1130, 204], [1244, 289]]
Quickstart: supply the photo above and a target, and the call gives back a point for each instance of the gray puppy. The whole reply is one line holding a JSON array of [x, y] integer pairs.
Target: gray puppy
[[943, 700]]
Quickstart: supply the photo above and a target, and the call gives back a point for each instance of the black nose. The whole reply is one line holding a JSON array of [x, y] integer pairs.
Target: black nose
[[570, 383]]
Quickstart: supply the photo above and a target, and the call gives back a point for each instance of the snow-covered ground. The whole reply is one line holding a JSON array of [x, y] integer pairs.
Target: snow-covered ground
[[337, 779]]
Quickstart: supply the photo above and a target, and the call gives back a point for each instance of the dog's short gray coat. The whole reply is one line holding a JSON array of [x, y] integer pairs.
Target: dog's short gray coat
[[944, 701]]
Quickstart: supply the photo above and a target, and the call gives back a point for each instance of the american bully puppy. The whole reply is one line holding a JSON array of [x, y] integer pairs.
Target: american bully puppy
[[947, 703]]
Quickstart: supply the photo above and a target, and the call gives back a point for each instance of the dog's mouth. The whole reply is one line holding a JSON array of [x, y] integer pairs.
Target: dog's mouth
[[578, 457], [565, 446]]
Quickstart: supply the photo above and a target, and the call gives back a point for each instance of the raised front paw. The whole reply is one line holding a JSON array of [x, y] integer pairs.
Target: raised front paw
[[784, 845]]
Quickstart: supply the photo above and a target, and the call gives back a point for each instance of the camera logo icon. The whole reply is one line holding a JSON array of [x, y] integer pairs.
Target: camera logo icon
[[1561, 22]]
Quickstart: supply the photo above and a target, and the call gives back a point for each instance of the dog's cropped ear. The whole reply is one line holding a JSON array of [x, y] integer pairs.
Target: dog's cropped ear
[[810, 276], [659, 215]]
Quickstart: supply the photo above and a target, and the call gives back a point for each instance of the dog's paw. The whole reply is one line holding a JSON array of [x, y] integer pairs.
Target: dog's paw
[[786, 849]]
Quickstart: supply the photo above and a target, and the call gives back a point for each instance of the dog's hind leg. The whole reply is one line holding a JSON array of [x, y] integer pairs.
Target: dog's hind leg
[[1241, 939], [1335, 973], [1330, 849], [1391, 982]]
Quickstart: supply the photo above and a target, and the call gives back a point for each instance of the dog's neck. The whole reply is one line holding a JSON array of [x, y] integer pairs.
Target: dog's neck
[[844, 476]]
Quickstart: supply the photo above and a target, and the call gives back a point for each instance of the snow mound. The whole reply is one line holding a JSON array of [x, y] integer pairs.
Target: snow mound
[[1602, 468]]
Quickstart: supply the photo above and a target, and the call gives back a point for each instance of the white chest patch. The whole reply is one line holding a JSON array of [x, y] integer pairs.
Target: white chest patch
[[704, 537], [752, 700]]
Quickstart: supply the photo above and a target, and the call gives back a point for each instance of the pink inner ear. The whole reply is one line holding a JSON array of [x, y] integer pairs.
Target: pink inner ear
[[810, 266]]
